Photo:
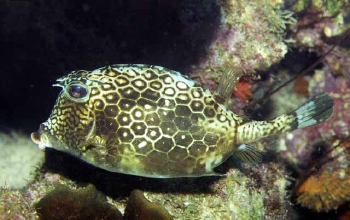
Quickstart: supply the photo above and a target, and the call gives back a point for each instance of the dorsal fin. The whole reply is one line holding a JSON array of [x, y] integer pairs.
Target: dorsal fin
[[226, 85]]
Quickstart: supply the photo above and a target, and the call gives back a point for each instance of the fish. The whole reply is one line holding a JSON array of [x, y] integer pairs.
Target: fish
[[150, 121]]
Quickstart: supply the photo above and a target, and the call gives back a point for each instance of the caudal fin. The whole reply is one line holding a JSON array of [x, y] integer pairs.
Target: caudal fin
[[318, 109]]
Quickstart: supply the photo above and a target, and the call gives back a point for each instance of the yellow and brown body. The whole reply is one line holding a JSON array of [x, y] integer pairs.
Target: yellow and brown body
[[151, 121]]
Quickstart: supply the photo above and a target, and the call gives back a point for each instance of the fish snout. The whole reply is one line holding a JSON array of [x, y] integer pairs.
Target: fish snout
[[35, 136], [40, 138]]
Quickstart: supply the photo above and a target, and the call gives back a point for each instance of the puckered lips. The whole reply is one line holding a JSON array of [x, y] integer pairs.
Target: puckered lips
[[40, 139]]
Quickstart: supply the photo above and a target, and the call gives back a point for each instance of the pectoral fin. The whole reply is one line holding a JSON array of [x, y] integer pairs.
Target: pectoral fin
[[248, 153]]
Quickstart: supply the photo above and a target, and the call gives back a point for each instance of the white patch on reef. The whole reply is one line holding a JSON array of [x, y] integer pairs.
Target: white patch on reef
[[19, 159]]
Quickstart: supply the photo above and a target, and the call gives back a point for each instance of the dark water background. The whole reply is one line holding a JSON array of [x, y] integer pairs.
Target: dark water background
[[41, 41]]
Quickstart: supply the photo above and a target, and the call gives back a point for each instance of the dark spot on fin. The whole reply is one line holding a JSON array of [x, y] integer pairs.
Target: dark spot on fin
[[226, 85], [318, 109], [248, 154]]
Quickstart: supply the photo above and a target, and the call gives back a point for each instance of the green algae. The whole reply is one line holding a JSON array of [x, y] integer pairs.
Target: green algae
[[329, 8]]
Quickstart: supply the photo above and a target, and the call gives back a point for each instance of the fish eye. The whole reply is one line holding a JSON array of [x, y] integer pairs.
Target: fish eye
[[77, 91]]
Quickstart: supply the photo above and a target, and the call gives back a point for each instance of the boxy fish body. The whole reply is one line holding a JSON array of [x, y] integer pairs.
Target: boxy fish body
[[151, 121]]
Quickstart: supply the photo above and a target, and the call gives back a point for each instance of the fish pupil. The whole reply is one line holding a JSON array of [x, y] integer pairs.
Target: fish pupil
[[77, 91]]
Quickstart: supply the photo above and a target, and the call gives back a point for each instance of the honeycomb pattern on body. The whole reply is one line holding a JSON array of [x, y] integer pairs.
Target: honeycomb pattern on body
[[151, 120]]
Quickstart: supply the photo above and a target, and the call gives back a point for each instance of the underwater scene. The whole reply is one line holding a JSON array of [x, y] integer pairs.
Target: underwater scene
[[177, 109]]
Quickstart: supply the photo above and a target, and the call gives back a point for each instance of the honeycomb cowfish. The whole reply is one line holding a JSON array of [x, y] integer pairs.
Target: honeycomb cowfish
[[151, 121]]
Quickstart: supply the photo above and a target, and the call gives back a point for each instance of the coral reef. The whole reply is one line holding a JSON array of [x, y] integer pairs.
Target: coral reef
[[328, 7], [326, 186], [329, 16], [253, 195], [320, 25], [19, 160], [19, 204], [251, 36], [15, 205], [319, 155], [321, 163], [299, 144], [251, 39]]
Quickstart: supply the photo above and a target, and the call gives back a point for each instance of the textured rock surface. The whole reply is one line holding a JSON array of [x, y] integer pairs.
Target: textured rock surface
[[19, 160]]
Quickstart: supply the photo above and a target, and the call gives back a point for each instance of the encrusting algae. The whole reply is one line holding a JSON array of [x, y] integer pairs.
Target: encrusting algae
[[326, 185], [151, 121]]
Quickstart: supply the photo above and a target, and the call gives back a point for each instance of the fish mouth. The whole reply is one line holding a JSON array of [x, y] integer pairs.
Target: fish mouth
[[35, 137], [41, 139]]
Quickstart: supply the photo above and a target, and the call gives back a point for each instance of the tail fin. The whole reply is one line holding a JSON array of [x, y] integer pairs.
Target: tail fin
[[318, 109]]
